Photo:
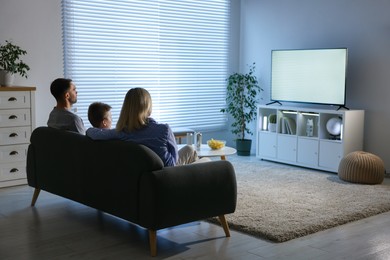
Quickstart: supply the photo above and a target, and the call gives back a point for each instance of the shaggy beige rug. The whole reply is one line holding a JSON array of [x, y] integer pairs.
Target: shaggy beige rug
[[280, 202]]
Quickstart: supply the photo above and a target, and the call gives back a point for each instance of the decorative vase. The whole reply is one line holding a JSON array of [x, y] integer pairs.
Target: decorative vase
[[243, 147], [272, 127], [309, 127], [8, 79]]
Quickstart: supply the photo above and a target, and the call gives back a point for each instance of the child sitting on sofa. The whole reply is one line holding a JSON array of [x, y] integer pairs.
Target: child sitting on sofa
[[99, 115]]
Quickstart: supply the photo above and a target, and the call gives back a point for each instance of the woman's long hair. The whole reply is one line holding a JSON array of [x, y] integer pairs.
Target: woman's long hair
[[135, 111]]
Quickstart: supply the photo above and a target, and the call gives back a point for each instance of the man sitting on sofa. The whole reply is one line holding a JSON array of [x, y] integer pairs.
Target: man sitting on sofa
[[61, 117]]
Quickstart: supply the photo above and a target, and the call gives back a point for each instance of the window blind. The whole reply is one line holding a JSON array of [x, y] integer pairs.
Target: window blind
[[176, 49]]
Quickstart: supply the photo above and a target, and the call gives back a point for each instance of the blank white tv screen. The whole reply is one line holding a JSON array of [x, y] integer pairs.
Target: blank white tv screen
[[309, 76]]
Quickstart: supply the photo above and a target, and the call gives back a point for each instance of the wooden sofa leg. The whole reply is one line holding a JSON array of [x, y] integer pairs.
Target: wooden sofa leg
[[153, 242], [225, 225], [35, 197]]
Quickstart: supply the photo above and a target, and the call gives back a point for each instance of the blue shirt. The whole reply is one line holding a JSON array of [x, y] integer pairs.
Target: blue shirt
[[158, 137]]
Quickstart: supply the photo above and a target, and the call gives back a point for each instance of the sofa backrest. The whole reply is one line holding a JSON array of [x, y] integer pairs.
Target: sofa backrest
[[101, 174]]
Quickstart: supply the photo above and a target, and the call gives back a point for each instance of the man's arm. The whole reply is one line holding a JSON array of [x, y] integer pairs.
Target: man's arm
[[79, 124]]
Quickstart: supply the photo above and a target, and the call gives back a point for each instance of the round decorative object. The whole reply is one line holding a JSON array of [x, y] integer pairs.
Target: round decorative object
[[362, 167], [334, 126]]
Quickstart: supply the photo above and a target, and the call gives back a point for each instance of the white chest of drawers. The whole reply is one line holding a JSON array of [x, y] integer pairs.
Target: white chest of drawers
[[17, 121]]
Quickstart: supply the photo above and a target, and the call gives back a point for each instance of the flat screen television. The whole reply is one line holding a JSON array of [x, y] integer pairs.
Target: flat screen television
[[309, 76]]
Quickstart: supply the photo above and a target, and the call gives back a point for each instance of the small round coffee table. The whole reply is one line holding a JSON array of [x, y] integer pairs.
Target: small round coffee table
[[206, 151]]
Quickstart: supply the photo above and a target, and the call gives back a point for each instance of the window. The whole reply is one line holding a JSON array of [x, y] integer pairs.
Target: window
[[177, 50]]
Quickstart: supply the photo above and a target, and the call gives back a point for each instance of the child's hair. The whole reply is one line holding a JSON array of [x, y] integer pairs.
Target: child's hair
[[97, 112]]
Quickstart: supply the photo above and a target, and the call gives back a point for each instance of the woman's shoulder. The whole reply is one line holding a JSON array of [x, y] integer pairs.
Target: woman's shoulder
[[160, 126]]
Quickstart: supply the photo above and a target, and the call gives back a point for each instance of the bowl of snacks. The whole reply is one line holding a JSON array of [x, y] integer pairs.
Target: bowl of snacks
[[216, 144]]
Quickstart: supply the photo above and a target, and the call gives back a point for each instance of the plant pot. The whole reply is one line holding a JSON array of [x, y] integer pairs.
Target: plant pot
[[243, 147], [272, 127], [8, 79]]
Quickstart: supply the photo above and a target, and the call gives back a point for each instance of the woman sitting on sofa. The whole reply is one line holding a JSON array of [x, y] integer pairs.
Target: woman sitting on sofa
[[135, 124]]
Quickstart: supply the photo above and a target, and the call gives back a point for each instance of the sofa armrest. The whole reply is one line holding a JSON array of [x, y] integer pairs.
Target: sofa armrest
[[181, 194]]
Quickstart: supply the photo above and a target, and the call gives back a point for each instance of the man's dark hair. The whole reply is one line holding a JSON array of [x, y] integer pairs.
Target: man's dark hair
[[59, 86], [96, 112]]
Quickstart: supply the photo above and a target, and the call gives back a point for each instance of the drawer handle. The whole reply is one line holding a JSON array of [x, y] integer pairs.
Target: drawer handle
[[13, 153], [12, 99], [12, 117], [13, 170], [13, 135]]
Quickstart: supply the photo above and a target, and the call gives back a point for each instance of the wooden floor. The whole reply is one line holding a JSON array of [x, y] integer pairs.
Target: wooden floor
[[58, 228]]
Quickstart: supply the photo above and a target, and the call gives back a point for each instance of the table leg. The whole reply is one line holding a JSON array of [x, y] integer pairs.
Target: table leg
[[223, 157]]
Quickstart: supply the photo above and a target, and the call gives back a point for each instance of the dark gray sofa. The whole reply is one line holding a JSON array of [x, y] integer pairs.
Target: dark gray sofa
[[129, 181]]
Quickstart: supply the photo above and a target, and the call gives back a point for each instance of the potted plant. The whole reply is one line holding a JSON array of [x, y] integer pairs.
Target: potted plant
[[241, 92], [11, 63], [272, 123]]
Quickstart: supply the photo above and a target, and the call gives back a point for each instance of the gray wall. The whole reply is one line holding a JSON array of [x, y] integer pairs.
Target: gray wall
[[258, 26], [362, 26], [36, 27]]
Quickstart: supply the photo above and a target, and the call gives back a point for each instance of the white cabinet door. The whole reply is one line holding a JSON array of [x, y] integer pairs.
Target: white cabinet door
[[267, 145], [15, 135], [14, 99], [308, 152], [331, 154], [12, 171], [15, 117], [287, 148], [13, 153]]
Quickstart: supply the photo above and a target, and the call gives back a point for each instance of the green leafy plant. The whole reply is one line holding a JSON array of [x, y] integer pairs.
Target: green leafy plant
[[272, 118], [241, 92], [10, 59]]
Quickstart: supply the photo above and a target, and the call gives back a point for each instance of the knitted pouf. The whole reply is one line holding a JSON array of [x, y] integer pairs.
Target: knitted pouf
[[362, 167]]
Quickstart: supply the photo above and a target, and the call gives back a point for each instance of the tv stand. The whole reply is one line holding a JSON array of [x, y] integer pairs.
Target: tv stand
[[273, 102], [297, 142]]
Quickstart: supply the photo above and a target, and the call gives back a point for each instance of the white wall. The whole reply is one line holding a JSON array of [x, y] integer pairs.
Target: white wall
[[36, 27], [362, 26], [234, 61]]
